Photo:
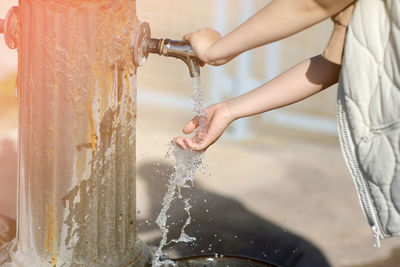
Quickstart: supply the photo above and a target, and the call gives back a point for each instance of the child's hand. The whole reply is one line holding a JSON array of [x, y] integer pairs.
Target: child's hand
[[217, 120], [202, 42]]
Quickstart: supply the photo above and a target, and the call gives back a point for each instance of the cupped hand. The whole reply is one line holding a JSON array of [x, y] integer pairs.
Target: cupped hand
[[202, 42], [208, 131]]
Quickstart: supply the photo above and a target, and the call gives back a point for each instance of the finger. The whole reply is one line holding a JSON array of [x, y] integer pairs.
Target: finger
[[189, 143], [191, 125], [197, 144], [192, 144], [187, 36], [214, 132], [180, 142], [204, 144]]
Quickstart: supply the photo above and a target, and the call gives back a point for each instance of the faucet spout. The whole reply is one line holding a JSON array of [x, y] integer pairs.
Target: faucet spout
[[143, 44], [177, 49]]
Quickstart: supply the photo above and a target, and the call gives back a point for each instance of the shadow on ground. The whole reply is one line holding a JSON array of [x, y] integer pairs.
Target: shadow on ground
[[224, 226]]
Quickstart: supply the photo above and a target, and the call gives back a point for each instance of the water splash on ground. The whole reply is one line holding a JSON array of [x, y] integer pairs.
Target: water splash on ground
[[187, 162]]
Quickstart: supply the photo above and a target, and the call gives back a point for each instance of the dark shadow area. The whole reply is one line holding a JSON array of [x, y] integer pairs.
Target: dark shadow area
[[320, 69], [224, 226], [8, 178]]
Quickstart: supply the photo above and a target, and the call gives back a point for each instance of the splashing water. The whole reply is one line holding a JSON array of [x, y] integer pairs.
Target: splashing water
[[187, 162]]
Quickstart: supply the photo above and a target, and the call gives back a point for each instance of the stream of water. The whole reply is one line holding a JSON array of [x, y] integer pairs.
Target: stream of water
[[187, 162]]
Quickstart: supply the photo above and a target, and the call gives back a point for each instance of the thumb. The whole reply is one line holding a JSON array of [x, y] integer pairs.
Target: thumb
[[187, 36], [191, 125]]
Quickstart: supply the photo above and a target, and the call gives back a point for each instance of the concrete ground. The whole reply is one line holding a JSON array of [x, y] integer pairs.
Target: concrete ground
[[264, 197], [281, 196]]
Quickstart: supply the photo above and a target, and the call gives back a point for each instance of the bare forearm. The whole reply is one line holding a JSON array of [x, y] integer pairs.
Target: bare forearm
[[303, 80], [277, 20]]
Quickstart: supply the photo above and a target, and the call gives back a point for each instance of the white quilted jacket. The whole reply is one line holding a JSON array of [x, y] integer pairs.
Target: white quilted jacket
[[369, 111]]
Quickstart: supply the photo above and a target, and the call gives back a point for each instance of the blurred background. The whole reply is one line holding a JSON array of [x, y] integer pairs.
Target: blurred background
[[275, 186]]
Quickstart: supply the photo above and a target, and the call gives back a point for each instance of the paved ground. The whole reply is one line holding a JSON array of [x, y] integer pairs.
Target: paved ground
[[282, 196], [270, 194]]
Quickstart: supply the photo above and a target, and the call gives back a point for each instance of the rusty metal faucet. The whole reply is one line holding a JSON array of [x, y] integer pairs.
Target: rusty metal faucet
[[178, 49], [165, 47]]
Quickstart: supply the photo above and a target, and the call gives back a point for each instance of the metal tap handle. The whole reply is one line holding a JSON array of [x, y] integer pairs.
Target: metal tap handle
[[168, 47], [178, 47], [154, 46]]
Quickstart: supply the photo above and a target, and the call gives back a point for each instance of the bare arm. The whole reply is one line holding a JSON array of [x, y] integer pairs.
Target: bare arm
[[303, 80], [277, 20]]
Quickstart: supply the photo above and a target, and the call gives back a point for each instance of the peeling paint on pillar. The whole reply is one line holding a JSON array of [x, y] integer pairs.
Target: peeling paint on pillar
[[77, 91]]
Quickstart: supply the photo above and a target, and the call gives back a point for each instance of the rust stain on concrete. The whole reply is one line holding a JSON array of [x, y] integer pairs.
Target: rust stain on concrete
[[50, 238]]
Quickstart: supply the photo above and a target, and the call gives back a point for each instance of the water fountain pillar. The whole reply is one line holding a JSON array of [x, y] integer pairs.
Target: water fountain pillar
[[76, 144]]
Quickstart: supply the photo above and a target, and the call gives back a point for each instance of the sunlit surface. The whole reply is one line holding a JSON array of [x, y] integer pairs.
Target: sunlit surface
[[291, 182], [76, 144]]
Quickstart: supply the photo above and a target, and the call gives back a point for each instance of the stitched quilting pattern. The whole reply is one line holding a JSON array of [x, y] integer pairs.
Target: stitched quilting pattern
[[370, 97]]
